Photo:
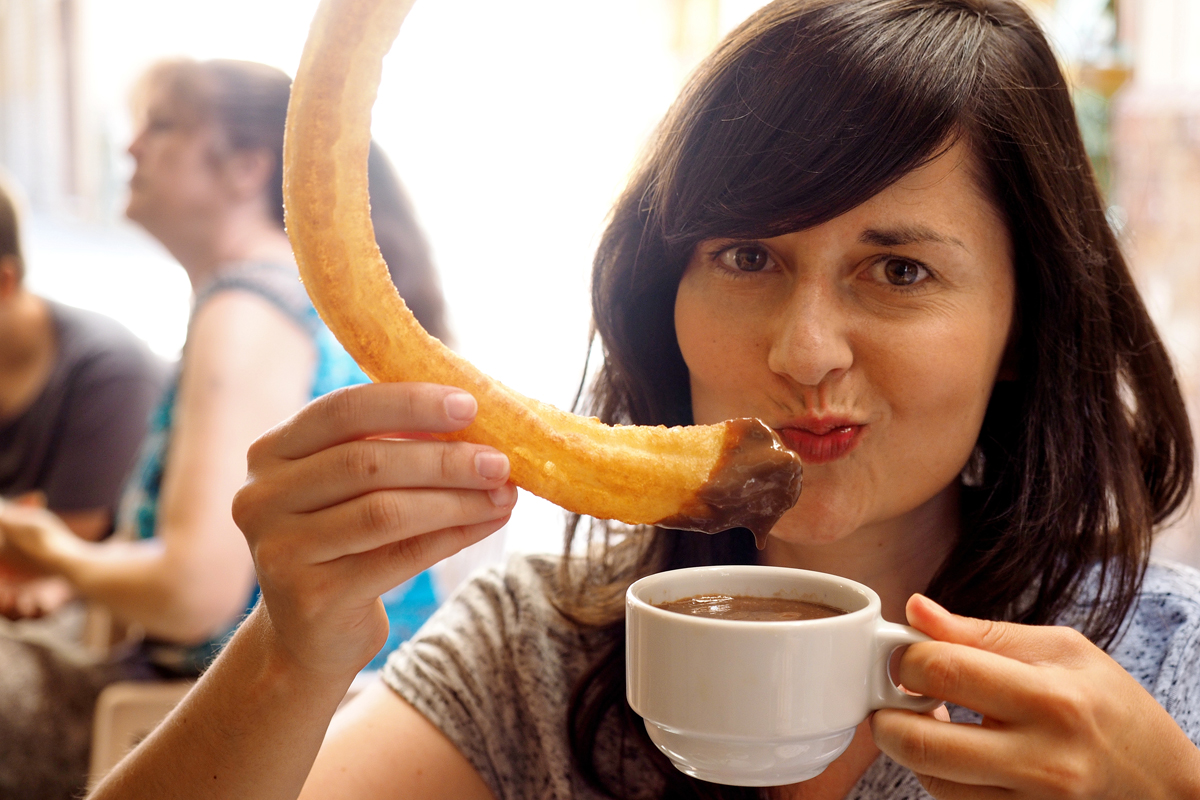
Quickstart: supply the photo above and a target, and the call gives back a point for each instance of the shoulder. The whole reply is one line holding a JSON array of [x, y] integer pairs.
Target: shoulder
[[272, 284], [522, 579], [244, 365], [496, 658], [1160, 643], [506, 607], [1168, 606], [1165, 577], [99, 347], [237, 324]]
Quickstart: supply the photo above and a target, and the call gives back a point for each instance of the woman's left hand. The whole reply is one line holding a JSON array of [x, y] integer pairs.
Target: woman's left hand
[[1061, 719]]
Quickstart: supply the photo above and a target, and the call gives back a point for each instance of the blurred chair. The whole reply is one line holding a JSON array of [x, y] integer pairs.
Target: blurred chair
[[128, 711]]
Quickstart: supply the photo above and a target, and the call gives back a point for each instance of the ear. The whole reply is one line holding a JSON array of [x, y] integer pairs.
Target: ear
[[247, 172], [10, 281]]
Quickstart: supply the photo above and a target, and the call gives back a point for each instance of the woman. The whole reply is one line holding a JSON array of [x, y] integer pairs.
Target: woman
[[207, 185], [872, 224]]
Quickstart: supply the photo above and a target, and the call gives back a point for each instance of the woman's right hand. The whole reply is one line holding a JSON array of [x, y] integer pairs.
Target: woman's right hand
[[338, 509]]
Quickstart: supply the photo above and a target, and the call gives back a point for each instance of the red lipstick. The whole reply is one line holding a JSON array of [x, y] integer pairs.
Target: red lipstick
[[819, 441]]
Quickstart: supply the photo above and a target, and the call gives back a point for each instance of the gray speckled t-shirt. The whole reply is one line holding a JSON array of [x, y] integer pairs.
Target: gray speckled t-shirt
[[494, 667]]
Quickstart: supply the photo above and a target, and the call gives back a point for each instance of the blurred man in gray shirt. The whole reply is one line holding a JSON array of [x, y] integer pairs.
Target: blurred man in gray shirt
[[76, 389]]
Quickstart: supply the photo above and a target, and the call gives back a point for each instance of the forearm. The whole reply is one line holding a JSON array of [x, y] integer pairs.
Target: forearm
[[144, 583], [251, 727], [1186, 781]]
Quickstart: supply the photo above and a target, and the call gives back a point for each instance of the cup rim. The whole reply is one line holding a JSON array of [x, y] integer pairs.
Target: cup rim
[[872, 608]]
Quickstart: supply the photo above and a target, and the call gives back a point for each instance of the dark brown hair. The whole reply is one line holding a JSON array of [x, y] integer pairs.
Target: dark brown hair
[[804, 112], [247, 103]]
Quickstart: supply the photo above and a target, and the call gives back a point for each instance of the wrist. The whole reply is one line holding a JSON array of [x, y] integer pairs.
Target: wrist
[[280, 671], [65, 554]]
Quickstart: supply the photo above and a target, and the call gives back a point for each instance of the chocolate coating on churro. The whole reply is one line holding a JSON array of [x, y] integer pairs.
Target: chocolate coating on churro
[[755, 482]]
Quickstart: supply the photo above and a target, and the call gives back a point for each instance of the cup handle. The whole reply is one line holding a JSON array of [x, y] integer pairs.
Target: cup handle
[[885, 694]]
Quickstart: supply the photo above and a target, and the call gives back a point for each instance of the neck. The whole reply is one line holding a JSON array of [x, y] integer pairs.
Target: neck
[[239, 235], [896, 558]]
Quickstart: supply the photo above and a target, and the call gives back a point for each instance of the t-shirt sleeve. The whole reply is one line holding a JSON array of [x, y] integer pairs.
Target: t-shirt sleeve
[[1161, 648], [1178, 683], [104, 420], [492, 670], [1183, 696]]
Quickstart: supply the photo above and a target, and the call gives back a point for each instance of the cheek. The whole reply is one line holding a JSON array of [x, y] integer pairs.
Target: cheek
[[938, 390], [702, 337], [718, 341]]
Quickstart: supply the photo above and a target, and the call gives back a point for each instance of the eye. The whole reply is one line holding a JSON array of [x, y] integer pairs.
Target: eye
[[746, 258], [901, 272]]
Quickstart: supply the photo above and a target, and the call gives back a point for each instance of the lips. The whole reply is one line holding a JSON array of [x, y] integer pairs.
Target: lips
[[821, 441]]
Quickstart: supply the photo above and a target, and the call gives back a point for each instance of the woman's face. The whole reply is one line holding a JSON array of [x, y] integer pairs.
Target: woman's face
[[870, 342], [177, 175]]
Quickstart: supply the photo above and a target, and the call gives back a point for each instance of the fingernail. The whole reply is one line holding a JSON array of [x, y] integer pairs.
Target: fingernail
[[503, 496], [491, 465], [461, 406]]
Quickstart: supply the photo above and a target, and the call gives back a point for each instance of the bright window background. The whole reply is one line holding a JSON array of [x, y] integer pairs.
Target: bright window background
[[513, 126]]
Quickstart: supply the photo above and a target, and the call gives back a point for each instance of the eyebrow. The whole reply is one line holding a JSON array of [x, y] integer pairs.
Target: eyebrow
[[906, 234]]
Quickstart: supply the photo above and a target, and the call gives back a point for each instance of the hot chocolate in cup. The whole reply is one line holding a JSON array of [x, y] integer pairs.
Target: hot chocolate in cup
[[759, 703]]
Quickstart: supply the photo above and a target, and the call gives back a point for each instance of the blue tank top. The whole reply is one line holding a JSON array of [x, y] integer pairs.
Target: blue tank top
[[408, 605]]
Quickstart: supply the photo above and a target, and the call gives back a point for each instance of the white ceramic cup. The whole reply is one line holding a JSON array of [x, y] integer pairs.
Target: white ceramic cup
[[759, 703]]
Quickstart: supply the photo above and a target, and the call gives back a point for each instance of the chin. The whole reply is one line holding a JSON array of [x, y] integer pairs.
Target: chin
[[813, 526]]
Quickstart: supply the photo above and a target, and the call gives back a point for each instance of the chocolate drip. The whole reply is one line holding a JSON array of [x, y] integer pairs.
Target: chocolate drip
[[756, 480]]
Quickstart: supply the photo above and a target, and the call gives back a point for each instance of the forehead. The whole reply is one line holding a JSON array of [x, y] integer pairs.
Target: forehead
[[945, 196]]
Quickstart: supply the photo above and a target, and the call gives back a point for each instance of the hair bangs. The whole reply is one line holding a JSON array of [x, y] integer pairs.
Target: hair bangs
[[865, 105]]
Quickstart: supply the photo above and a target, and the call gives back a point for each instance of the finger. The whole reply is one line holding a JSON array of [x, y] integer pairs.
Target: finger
[[367, 410], [355, 468], [379, 519], [1032, 644], [384, 518], [380, 570], [996, 686], [957, 753]]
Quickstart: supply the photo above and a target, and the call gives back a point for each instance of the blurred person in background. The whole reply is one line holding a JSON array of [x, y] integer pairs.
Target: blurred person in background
[[208, 186], [76, 389]]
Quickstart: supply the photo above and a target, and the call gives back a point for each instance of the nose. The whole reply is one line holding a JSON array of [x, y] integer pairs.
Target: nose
[[812, 342], [135, 146]]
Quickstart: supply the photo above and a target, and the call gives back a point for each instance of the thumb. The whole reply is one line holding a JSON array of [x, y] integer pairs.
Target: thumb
[[1008, 639]]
